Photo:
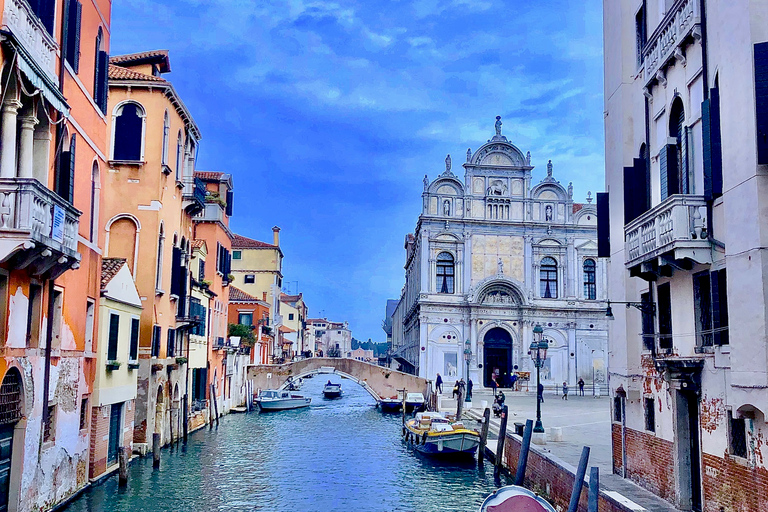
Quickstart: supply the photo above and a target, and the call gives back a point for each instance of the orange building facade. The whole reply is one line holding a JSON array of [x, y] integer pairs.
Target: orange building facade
[[53, 148], [245, 309], [151, 197]]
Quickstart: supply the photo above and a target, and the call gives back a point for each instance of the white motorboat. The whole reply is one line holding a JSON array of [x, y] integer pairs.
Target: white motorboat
[[280, 400], [414, 402], [332, 390]]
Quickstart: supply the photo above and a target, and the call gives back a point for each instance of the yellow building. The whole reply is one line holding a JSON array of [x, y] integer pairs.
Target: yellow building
[[257, 269], [150, 197], [117, 363]]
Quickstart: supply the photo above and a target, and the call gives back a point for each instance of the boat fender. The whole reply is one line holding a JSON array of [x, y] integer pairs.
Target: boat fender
[[424, 439]]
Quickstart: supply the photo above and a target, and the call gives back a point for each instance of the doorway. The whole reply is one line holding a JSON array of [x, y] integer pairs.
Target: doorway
[[6, 452], [11, 422], [497, 356], [113, 447], [688, 450]]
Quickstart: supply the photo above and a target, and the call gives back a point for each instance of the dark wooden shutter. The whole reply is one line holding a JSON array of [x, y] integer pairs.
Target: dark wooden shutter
[[176, 271], [102, 80], [72, 33], [603, 226], [761, 101], [719, 307], [71, 171], [711, 145], [114, 333], [134, 350], [171, 348], [669, 176], [229, 198], [665, 316], [46, 11], [156, 333], [97, 73], [649, 329]]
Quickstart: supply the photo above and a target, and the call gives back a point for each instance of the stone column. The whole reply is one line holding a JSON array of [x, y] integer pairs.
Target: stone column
[[26, 146], [467, 275], [431, 284], [41, 158], [572, 370], [8, 138]]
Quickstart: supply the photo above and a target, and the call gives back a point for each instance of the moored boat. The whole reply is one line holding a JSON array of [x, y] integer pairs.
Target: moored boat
[[513, 498], [280, 400], [414, 402], [392, 404], [432, 433], [332, 390]]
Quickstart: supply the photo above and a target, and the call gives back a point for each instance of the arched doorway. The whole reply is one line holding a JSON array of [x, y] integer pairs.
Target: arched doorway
[[10, 413], [497, 355]]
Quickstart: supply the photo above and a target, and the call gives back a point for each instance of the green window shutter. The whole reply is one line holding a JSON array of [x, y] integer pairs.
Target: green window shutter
[[134, 352], [761, 101], [114, 333]]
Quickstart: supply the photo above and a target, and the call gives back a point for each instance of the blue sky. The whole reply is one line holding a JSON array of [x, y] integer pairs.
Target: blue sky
[[328, 115]]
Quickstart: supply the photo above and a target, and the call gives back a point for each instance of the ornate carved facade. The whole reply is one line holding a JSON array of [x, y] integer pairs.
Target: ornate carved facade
[[490, 258]]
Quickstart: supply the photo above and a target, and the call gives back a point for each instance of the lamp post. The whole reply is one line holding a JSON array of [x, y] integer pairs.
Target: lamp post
[[538, 356], [467, 358]]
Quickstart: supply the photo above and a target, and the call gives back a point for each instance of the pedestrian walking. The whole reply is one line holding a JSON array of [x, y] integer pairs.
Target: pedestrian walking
[[565, 391], [540, 392], [493, 384], [581, 386], [469, 388], [439, 383]]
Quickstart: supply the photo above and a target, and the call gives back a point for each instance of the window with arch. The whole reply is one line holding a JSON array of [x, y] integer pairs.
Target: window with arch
[[548, 278], [101, 73], [128, 133], [590, 279], [159, 269], [445, 273], [166, 136], [95, 191], [11, 394], [179, 155], [674, 157]]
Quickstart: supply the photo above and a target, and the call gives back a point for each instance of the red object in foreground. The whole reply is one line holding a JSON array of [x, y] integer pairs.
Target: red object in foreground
[[515, 499]]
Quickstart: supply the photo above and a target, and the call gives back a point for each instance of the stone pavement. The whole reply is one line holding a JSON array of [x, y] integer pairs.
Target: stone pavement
[[585, 421]]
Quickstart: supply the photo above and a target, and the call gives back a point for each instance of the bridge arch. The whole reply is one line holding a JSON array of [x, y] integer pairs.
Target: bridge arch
[[378, 381]]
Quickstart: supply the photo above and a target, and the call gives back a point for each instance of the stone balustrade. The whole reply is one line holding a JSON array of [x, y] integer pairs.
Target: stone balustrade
[[680, 22], [29, 30], [674, 225]]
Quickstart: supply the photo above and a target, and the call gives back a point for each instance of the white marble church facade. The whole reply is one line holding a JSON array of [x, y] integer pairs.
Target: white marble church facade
[[490, 258]]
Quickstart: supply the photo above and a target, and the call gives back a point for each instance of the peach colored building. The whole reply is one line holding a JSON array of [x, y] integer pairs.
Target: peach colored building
[[245, 309], [150, 198], [53, 146]]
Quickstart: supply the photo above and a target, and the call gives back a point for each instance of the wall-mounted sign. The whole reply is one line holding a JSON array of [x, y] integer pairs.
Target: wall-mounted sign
[[57, 226]]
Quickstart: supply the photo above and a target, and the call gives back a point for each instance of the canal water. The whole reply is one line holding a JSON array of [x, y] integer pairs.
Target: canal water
[[336, 456]]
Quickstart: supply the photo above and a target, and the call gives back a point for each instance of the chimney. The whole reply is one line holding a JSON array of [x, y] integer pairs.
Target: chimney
[[276, 236], [264, 296]]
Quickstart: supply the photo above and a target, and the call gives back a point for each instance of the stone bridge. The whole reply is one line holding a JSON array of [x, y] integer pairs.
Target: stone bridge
[[379, 381]]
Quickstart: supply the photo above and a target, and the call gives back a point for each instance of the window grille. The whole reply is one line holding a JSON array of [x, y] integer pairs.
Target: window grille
[[548, 277], [445, 273], [590, 279], [10, 398]]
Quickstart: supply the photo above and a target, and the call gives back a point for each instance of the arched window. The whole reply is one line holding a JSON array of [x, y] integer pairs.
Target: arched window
[[179, 155], [128, 137], [166, 136], [100, 73], [445, 273], [159, 269], [11, 394], [548, 278], [674, 159], [590, 279], [95, 191]]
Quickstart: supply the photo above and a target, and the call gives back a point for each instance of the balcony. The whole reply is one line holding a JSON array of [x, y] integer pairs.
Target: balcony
[[38, 229], [666, 43], [668, 234], [22, 21], [194, 195]]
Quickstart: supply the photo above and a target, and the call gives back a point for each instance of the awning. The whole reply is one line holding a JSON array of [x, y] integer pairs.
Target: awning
[[39, 78]]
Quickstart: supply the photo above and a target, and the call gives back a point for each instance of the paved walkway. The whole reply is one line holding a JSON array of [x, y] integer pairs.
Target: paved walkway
[[584, 421]]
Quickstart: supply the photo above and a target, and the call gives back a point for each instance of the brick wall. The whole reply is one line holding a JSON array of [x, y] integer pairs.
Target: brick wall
[[100, 436], [733, 485], [552, 478], [650, 462], [616, 448]]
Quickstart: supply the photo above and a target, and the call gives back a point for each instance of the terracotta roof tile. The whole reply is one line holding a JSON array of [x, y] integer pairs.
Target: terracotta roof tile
[[284, 297], [197, 244], [119, 73], [577, 207], [153, 56], [209, 175], [109, 269], [238, 295], [241, 242]]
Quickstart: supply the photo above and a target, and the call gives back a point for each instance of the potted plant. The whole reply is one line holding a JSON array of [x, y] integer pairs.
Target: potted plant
[[133, 365], [113, 365], [181, 360], [157, 367]]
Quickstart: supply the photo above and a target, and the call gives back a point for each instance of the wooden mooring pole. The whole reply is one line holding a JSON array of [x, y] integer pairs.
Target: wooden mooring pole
[[594, 489], [156, 450], [522, 461], [483, 435], [578, 483], [185, 425], [215, 405], [460, 403], [502, 438], [123, 460]]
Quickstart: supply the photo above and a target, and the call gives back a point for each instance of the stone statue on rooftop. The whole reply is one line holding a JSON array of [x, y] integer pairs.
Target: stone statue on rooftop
[[528, 158], [448, 163], [469, 154], [549, 169], [570, 190], [426, 182], [498, 125]]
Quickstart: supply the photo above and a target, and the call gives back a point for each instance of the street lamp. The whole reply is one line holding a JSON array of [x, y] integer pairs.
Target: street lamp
[[538, 356], [467, 358]]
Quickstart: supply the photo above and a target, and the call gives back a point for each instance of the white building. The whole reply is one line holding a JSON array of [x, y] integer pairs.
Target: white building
[[491, 257], [686, 122], [334, 339]]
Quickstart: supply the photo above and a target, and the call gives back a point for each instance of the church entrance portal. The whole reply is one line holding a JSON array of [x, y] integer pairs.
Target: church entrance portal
[[497, 356]]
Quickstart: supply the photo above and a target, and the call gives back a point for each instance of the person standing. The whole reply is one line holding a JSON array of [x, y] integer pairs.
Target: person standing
[[540, 392], [494, 385], [565, 391], [469, 388], [439, 384], [581, 386]]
